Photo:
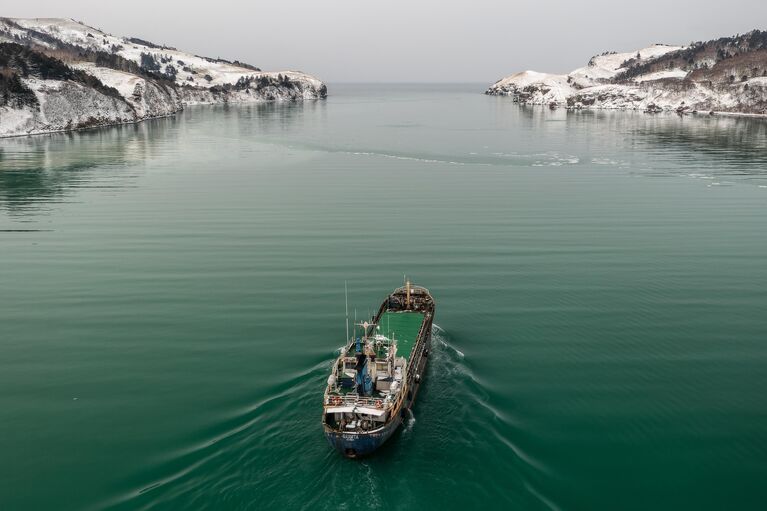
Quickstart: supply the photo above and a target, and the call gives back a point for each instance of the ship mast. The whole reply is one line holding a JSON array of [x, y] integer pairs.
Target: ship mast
[[407, 290], [346, 300]]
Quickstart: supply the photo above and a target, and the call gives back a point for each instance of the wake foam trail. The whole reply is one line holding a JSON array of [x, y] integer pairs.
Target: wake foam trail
[[455, 350], [372, 486], [406, 158], [441, 336], [464, 398], [452, 371], [409, 422]]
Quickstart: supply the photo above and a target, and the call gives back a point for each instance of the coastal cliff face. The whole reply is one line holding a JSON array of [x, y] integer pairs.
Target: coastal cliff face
[[723, 75], [58, 75]]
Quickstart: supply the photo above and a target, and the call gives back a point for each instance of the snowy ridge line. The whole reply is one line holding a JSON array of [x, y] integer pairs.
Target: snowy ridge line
[[726, 75], [62, 75]]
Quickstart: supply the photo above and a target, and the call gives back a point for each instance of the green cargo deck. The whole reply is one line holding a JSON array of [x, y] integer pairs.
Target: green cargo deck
[[404, 326]]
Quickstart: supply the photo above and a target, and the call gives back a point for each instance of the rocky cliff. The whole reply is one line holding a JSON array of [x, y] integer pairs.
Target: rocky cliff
[[722, 75], [58, 75]]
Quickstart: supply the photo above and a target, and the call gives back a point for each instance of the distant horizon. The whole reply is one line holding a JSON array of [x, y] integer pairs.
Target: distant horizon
[[425, 82], [427, 42]]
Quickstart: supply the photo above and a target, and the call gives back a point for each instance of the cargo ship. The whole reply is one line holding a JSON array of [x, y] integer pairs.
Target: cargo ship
[[375, 380]]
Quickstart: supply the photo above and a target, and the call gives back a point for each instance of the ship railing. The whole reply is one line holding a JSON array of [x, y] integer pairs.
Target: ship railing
[[353, 399], [413, 362]]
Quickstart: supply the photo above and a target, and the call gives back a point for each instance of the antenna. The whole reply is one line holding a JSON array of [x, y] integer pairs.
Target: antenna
[[346, 300]]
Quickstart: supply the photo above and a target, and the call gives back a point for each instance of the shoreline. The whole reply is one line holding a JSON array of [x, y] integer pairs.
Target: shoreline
[[712, 113], [94, 127], [263, 101], [154, 117]]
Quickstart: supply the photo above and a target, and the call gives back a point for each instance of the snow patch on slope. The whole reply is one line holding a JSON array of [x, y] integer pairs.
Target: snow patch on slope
[[535, 87], [661, 75], [605, 67]]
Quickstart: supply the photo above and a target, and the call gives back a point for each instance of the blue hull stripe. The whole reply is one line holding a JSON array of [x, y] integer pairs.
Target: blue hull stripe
[[361, 444]]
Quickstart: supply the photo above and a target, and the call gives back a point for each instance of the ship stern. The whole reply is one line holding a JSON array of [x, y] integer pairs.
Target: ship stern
[[359, 444]]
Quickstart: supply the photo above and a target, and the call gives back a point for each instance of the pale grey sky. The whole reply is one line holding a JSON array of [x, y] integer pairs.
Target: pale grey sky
[[408, 40]]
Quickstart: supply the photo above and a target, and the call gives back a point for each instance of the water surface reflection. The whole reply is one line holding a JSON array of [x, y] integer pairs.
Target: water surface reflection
[[38, 170]]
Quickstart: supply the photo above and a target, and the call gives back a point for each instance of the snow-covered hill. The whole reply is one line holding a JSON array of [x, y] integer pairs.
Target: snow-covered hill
[[59, 74], [723, 75]]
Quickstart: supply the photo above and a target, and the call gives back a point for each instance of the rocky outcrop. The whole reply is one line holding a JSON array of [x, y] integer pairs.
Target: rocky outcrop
[[58, 75], [722, 75]]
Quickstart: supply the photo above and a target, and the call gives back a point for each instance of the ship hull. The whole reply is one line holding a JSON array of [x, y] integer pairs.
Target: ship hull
[[357, 445]]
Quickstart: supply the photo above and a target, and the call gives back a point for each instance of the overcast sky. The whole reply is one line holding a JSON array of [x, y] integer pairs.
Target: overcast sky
[[408, 40]]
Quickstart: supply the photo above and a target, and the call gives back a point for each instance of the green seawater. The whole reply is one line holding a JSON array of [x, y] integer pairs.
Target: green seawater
[[172, 297]]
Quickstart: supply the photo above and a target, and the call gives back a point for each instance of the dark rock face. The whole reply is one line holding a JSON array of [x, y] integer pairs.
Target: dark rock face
[[14, 94]]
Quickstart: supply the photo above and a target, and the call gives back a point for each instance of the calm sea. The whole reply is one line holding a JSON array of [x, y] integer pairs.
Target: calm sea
[[172, 296]]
